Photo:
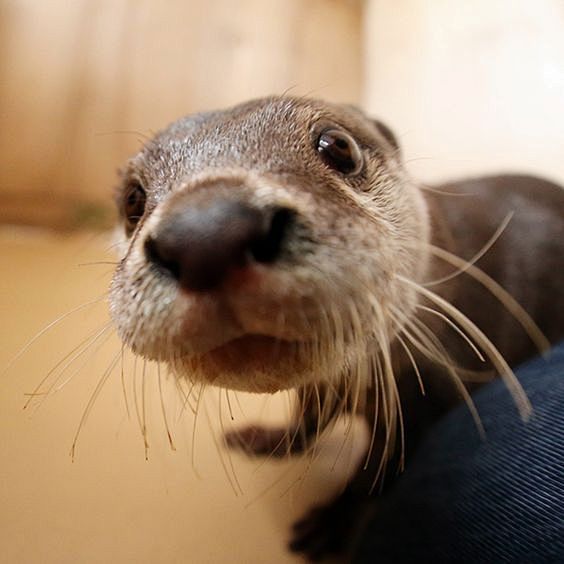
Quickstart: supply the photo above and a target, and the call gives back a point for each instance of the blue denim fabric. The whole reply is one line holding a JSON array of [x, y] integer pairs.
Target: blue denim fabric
[[465, 499]]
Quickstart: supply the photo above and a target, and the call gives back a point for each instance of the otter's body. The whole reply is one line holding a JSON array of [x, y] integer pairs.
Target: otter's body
[[281, 244]]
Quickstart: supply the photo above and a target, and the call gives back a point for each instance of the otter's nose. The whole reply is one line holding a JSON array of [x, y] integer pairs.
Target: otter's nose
[[199, 247]]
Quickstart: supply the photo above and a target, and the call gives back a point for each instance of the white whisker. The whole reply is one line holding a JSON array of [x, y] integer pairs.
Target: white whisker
[[493, 354]]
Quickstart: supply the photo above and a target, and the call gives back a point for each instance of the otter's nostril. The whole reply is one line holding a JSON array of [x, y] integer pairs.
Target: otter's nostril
[[268, 246], [159, 255]]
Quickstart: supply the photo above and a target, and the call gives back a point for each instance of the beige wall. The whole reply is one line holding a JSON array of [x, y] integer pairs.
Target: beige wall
[[469, 86], [82, 82]]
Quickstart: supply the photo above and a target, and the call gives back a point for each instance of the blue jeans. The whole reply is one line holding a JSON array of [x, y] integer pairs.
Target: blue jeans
[[465, 499]]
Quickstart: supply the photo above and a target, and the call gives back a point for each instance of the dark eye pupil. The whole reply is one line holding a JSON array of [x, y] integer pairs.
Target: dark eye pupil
[[135, 202], [133, 199], [339, 151], [134, 206], [341, 143]]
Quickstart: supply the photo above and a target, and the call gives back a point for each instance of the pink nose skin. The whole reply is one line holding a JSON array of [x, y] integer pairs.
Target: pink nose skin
[[199, 247]]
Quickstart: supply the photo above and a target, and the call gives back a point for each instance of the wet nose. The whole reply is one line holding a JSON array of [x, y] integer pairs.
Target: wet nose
[[200, 246]]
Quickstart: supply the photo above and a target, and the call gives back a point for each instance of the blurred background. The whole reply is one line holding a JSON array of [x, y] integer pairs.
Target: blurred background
[[469, 88]]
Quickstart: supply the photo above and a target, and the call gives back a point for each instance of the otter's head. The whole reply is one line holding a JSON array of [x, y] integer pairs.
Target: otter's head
[[264, 244]]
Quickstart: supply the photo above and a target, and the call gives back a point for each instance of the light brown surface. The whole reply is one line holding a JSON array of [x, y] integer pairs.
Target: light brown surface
[[112, 505]]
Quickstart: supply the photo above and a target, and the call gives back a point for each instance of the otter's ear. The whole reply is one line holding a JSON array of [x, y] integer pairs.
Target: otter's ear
[[386, 132], [382, 128]]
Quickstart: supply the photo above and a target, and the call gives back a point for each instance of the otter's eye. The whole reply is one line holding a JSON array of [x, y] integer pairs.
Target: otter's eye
[[134, 205], [340, 151]]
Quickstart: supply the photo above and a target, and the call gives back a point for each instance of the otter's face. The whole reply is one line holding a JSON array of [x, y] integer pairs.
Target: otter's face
[[263, 244]]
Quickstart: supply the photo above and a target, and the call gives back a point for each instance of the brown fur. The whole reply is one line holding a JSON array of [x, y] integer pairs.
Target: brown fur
[[344, 315]]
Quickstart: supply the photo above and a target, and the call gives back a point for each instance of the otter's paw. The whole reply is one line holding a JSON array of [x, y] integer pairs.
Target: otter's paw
[[327, 530], [262, 441]]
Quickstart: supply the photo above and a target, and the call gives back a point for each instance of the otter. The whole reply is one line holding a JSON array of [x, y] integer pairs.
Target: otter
[[281, 244]]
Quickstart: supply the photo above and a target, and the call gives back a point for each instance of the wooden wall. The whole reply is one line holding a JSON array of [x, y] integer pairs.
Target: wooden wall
[[83, 82], [470, 87]]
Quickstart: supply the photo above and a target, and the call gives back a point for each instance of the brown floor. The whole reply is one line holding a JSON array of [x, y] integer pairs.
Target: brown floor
[[198, 503]]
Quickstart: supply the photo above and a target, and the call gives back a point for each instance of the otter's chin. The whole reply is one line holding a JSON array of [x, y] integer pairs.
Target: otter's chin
[[251, 363]]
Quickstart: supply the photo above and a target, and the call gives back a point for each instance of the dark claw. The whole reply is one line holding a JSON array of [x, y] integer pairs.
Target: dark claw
[[326, 530]]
